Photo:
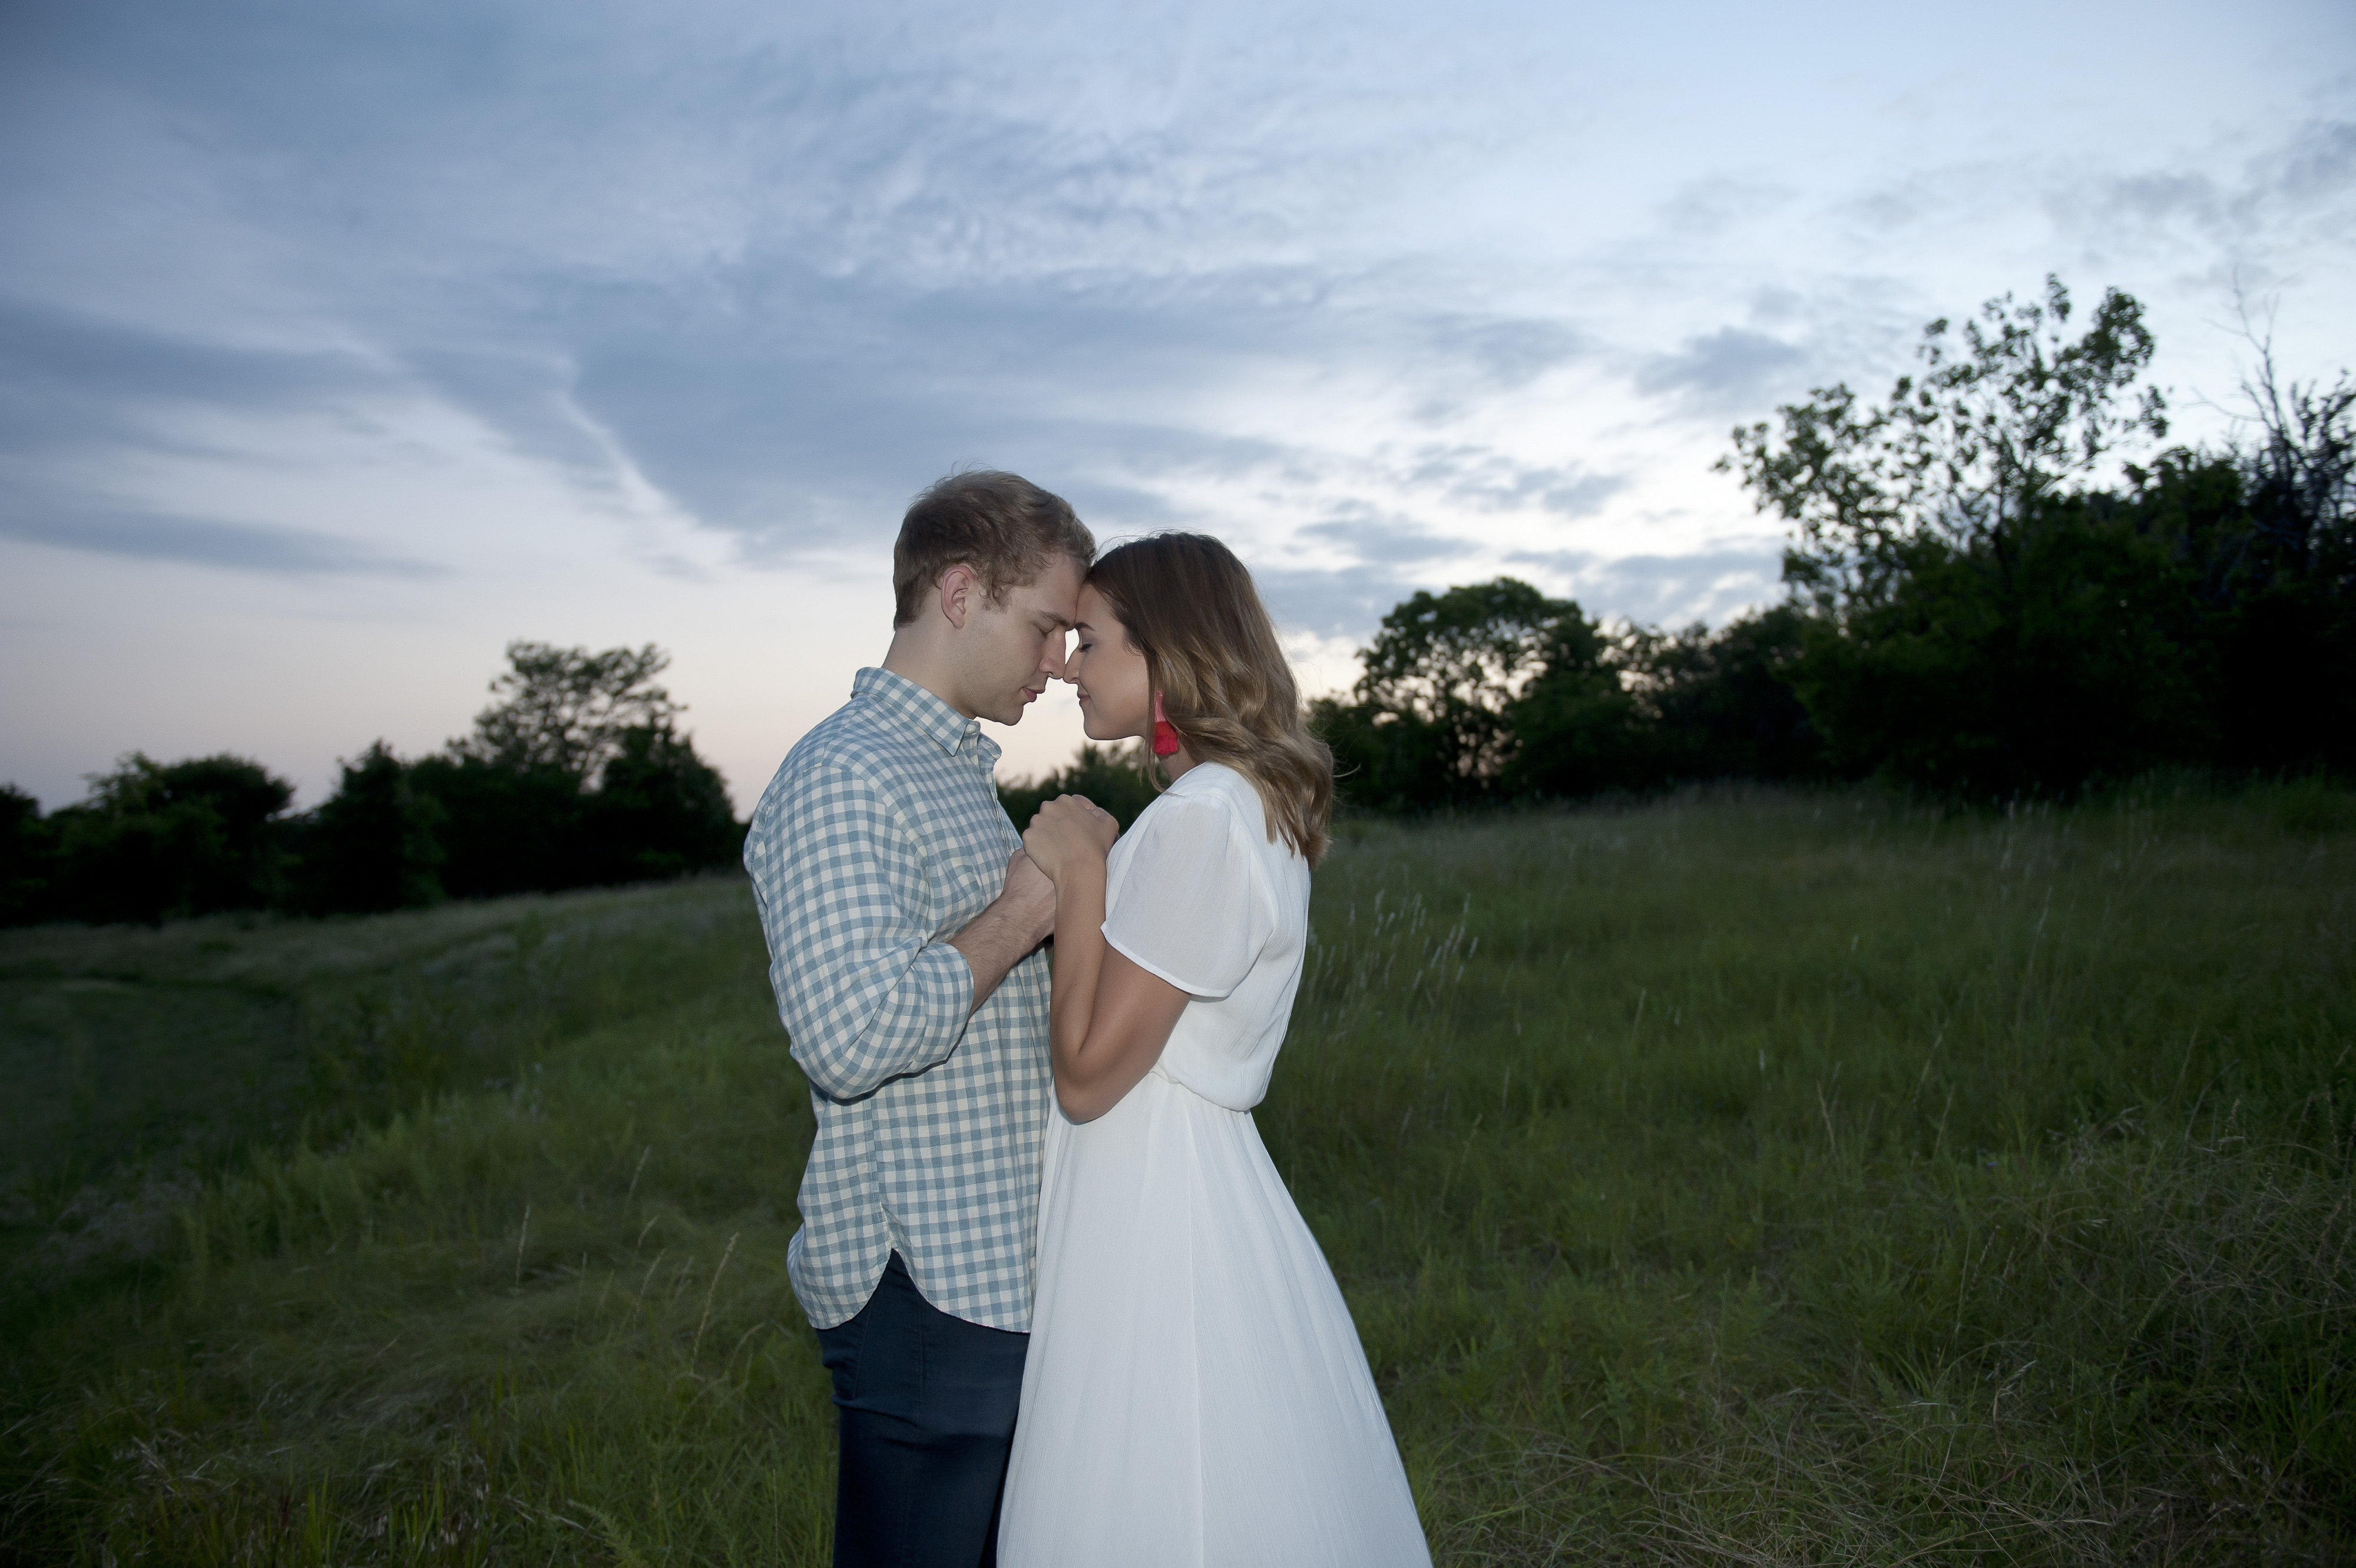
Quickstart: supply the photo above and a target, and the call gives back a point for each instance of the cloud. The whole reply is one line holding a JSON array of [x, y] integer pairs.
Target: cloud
[[1114, 510], [227, 546], [1491, 481], [1507, 353], [1708, 207], [1727, 370], [70, 380], [772, 404], [1707, 585], [83, 400], [1344, 602], [2159, 198], [2319, 164], [2247, 215], [1383, 558], [1378, 540]]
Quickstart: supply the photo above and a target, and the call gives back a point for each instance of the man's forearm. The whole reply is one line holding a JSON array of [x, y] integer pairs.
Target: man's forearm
[[998, 939]]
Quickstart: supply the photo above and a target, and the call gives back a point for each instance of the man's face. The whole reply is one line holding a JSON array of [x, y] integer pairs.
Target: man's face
[[1009, 651]]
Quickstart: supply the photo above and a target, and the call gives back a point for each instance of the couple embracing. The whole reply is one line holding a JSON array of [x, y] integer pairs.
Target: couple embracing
[[1072, 1315]]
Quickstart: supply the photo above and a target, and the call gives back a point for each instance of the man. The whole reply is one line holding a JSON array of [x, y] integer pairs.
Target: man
[[904, 925]]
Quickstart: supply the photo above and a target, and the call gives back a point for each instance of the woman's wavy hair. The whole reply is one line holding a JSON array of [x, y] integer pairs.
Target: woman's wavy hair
[[1210, 649]]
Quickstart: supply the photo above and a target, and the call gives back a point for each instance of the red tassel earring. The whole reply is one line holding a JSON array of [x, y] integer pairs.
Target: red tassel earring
[[1165, 738]]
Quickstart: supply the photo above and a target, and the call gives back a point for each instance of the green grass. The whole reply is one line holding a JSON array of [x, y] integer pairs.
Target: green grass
[[1745, 1178]]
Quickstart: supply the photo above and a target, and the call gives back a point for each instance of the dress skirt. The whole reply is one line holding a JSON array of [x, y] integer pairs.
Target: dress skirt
[[1196, 1393]]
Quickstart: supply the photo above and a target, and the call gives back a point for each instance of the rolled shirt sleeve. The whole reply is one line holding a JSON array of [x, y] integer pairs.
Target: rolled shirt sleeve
[[867, 992]]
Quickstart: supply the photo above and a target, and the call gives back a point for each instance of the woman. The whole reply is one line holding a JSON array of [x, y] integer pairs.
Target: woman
[[1194, 1392]]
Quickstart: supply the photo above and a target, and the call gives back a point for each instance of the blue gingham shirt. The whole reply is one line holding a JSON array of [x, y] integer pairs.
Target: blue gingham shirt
[[879, 839]]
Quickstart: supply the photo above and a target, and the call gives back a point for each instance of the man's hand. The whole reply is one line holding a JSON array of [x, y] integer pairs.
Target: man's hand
[[1021, 918], [1029, 896]]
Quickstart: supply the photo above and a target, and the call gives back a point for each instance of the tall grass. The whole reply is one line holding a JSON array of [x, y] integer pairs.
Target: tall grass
[[1783, 1179], [1746, 1177]]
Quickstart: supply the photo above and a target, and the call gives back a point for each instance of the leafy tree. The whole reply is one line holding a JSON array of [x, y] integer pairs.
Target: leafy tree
[[567, 708], [154, 839], [1498, 692], [660, 810], [1431, 722], [2082, 660], [25, 857], [578, 777], [2300, 476], [372, 844], [507, 828], [1986, 618], [2271, 533], [1719, 704], [1576, 726], [1990, 620], [1993, 428]]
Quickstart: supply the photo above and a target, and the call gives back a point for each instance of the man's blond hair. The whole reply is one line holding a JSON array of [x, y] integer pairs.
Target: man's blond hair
[[1001, 525]]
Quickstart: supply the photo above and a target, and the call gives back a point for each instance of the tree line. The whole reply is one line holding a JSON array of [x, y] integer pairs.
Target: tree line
[[578, 776], [1973, 610]]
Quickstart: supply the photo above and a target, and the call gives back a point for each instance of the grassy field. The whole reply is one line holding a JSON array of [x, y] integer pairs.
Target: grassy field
[[1744, 1178]]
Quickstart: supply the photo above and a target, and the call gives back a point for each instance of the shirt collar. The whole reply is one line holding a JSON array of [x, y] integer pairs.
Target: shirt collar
[[919, 711]]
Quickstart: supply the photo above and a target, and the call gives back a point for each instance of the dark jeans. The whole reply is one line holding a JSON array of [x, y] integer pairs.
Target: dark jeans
[[925, 1403]]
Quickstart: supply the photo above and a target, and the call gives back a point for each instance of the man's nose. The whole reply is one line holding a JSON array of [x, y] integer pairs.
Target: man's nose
[[1053, 661]]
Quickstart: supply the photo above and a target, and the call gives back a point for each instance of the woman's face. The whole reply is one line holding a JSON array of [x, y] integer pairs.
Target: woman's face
[[1116, 700]]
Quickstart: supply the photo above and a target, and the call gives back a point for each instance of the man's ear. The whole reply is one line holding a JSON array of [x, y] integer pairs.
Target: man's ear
[[960, 587]]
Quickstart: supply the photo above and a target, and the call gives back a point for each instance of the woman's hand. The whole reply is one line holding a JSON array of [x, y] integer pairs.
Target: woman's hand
[[1068, 832]]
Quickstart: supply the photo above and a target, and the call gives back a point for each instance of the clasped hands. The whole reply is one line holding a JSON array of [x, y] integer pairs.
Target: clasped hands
[[1069, 833]]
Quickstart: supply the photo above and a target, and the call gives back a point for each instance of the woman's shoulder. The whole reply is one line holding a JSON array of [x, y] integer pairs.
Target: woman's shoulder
[[1209, 798], [1182, 813], [1215, 798], [1216, 783]]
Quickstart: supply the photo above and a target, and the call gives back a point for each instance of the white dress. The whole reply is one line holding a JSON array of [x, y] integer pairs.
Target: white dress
[[1196, 1393]]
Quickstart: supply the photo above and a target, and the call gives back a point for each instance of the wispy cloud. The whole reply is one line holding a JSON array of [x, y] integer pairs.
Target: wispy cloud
[[1344, 601], [1666, 590], [1486, 479], [197, 541], [1728, 371], [70, 381], [1378, 540]]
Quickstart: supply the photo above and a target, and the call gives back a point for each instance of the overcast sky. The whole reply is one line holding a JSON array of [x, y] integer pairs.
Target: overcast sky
[[340, 344]]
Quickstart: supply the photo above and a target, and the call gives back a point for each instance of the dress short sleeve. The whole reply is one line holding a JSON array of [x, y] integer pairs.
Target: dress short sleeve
[[1185, 902]]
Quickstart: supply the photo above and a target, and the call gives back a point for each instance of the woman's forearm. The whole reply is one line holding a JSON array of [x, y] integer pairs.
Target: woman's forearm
[[1078, 964], [1108, 1019]]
